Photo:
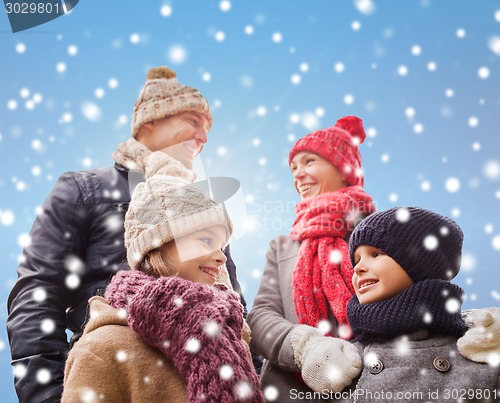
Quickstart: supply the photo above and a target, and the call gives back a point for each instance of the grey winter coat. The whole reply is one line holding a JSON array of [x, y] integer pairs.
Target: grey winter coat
[[422, 368], [272, 318]]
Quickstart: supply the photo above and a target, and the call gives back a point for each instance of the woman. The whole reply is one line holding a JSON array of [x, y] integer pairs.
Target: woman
[[307, 278]]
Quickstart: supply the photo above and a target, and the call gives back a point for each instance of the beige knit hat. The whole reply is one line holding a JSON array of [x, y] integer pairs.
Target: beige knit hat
[[164, 208], [162, 96]]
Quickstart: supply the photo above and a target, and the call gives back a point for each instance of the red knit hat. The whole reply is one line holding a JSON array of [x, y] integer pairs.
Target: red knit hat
[[339, 146]]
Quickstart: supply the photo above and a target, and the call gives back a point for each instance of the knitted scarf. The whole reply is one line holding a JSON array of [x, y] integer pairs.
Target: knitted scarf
[[197, 327], [131, 155], [429, 304], [135, 156], [323, 271]]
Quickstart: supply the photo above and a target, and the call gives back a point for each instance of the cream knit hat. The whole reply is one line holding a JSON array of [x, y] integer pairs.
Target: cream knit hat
[[165, 207], [162, 96]]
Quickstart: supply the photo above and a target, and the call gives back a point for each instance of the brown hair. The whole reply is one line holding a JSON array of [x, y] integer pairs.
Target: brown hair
[[157, 263]]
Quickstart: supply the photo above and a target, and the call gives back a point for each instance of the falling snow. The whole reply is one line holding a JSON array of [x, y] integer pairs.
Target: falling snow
[[271, 393], [193, 346], [431, 108], [226, 372], [121, 356]]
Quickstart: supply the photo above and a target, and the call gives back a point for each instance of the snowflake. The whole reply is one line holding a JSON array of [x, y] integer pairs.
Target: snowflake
[[336, 256], [333, 373], [324, 326], [366, 7], [43, 376], [496, 242], [121, 356], [225, 5], [48, 326], [88, 395], [403, 215], [431, 242], [452, 185], [39, 294], [72, 281], [91, 111], [226, 372], [211, 328], [494, 360], [492, 170], [345, 332], [371, 358], [166, 10], [243, 390], [20, 371], [193, 346], [122, 313], [114, 223], [452, 305], [427, 318], [271, 393], [74, 264], [403, 346]]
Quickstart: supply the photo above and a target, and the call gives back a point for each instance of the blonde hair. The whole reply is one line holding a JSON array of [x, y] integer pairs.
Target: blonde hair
[[157, 263]]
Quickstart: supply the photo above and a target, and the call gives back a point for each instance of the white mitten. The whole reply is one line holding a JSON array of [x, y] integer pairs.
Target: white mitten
[[481, 343], [160, 163], [327, 363]]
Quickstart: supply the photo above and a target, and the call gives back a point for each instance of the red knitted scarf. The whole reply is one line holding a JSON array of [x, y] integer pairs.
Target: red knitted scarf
[[197, 327], [323, 271]]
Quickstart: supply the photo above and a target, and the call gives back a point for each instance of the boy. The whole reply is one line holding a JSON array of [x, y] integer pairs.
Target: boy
[[406, 314]]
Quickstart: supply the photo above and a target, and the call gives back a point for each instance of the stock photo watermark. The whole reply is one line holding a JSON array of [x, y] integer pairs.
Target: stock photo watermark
[[26, 14]]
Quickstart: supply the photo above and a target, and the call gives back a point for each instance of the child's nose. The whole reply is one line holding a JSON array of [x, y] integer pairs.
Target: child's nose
[[219, 257], [359, 267]]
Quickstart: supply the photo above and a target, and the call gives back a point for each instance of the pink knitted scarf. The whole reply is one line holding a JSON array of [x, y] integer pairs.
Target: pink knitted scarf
[[197, 327], [323, 271]]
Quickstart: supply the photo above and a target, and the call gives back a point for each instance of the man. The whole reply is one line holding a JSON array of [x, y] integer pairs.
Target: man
[[77, 240]]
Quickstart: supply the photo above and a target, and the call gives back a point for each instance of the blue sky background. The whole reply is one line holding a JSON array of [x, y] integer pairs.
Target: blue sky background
[[423, 75]]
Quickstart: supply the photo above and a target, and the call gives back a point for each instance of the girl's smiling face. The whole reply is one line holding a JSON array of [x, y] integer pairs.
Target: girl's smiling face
[[198, 256]]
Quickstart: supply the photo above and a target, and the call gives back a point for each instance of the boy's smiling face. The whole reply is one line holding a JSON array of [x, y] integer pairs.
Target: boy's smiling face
[[377, 276]]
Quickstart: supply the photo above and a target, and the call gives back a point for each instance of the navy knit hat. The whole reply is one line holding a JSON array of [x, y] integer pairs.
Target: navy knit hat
[[425, 244]]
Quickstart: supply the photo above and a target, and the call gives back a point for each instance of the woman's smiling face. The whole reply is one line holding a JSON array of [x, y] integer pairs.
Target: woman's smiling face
[[313, 175]]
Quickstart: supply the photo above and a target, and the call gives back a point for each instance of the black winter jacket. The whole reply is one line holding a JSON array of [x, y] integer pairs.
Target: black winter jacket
[[76, 247]]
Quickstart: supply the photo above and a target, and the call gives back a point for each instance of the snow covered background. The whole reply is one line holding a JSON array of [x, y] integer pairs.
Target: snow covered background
[[424, 75]]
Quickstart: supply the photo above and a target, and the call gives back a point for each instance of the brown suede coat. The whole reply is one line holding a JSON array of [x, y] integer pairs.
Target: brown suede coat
[[122, 369]]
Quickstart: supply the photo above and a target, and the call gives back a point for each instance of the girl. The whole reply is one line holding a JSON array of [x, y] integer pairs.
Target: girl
[[166, 331]]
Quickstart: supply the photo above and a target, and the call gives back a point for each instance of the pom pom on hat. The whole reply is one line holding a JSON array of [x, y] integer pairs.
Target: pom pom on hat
[[425, 244], [339, 146], [163, 96], [354, 126], [160, 72]]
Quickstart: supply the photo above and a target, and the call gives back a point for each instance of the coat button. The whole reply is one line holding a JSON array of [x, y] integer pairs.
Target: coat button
[[376, 367], [441, 364]]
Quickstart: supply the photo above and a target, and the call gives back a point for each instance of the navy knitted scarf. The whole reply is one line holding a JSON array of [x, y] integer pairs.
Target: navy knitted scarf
[[433, 305]]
